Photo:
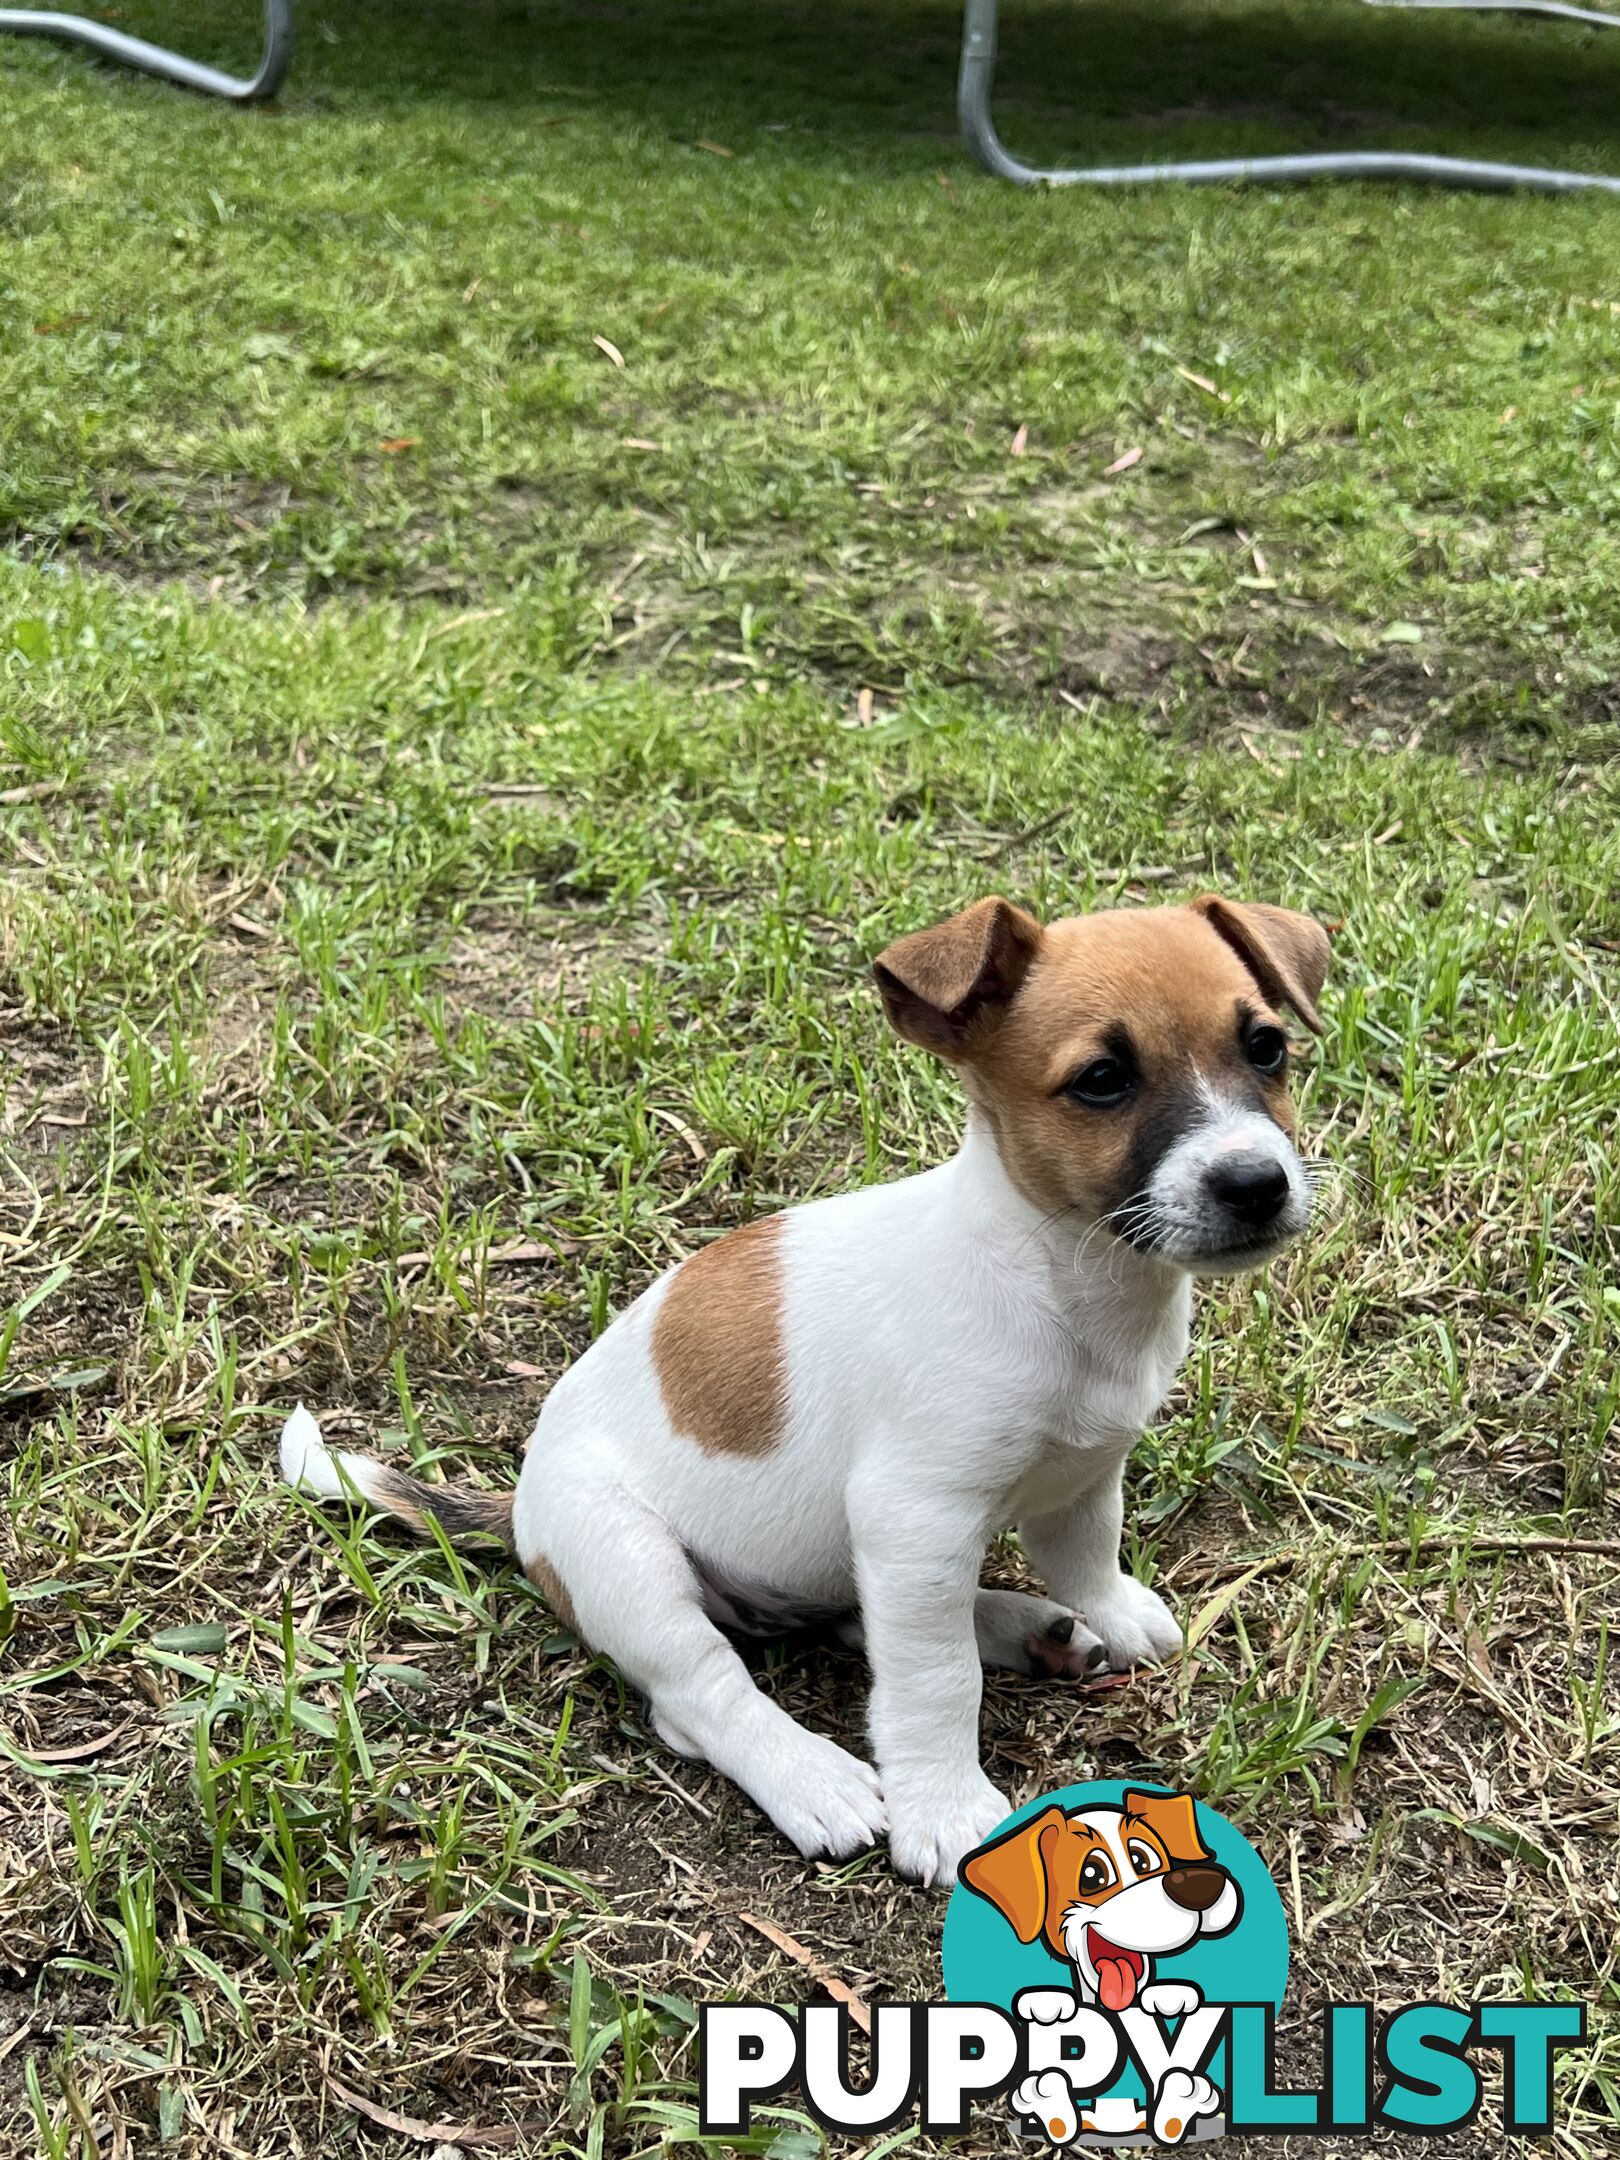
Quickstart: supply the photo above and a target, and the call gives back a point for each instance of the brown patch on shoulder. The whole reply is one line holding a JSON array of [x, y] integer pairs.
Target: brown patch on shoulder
[[552, 1588], [718, 1347]]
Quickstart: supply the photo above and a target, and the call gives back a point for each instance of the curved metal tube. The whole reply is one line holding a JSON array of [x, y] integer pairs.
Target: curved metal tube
[[977, 77], [1603, 19], [134, 52]]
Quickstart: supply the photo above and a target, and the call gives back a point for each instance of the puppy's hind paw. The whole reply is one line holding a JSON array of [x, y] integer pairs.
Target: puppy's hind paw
[[1020, 1633], [1065, 1649], [1183, 2098]]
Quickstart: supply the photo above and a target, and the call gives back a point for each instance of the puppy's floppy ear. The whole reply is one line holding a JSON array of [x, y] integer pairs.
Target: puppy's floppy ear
[[942, 986], [1287, 954], [1175, 1820], [1011, 1872]]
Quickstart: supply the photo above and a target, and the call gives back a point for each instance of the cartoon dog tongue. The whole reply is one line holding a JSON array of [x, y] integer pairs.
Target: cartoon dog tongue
[[1116, 1980]]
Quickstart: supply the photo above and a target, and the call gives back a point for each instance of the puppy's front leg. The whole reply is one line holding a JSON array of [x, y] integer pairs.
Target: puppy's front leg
[[918, 1571], [1076, 1549]]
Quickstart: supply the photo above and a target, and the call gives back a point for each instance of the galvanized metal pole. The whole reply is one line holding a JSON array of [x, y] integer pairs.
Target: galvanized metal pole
[[977, 78], [135, 52]]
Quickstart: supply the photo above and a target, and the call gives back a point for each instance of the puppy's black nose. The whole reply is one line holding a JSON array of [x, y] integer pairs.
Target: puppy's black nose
[[1194, 1889], [1251, 1187]]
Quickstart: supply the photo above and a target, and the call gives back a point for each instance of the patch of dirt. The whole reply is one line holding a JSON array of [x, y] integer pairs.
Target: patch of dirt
[[505, 964], [46, 1084]]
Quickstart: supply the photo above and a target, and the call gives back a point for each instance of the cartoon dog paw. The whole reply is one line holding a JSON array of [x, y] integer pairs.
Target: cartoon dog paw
[[1170, 1998], [1044, 2006], [1182, 2099], [1046, 2098]]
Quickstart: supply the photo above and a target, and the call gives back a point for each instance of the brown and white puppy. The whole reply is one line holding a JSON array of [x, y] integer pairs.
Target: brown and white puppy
[[831, 1412]]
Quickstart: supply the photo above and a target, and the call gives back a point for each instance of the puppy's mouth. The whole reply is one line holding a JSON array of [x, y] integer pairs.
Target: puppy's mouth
[[1187, 1246], [1119, 1972], [1242, 1254]]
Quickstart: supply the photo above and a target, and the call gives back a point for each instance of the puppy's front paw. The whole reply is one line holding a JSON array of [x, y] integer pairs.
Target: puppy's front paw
[[1135, 1625], [1044, 2006], [935, 1819], [1170, 1998], [827, 1801]]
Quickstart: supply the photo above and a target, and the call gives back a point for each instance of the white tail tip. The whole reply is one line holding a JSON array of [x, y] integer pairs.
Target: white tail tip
[[305, 1458]]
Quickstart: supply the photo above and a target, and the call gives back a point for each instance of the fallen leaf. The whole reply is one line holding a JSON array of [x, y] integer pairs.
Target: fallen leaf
[[85, 1748], [1122, 464], [426, 2133], [1020, 441], [699, 1152], [864, 705], [500, 1255], [1509, 413], [519, 1370], [35, 791], [392, 445], [715, 149], [839, 1990], [202, 1638], [641, 442], [1202, 382], [607, 346]]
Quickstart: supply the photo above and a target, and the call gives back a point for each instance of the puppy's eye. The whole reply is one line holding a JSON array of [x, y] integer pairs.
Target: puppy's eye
[[1102, 1083], [1143, 1858], [1096, 1874], [1267, 1049]]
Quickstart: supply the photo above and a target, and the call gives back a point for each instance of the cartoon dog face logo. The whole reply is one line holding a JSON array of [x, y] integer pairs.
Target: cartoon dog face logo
[[1110, 1889]]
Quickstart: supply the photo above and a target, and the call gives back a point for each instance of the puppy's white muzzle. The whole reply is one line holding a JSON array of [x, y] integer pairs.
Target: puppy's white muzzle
[[1228, 1196]]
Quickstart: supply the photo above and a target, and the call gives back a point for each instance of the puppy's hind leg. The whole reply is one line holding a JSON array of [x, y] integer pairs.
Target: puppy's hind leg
[[1019, 1633], [636, 1598]]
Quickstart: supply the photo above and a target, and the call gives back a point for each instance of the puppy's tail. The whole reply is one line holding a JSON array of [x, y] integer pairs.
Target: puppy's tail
[[460, 1511]]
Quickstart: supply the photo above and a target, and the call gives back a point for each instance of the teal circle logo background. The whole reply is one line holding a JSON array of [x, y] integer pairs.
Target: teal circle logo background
[[985, 1962]]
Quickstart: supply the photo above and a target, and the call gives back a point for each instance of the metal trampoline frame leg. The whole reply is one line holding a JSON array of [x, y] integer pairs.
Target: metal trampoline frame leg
[[134, 52], [976, 81]]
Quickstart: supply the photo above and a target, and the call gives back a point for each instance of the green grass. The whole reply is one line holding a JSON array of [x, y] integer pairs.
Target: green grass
[[437, 887]]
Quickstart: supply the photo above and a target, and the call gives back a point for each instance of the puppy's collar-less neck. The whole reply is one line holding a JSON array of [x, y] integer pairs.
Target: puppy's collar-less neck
[[1096, 1281]]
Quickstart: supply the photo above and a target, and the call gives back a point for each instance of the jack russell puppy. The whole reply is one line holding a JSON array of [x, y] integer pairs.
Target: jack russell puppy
[[831, 1412]]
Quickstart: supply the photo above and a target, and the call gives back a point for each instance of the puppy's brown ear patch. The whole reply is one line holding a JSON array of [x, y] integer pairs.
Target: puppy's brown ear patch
[[1174, 1820], [942, 987], [1011, 1872], [718, 1346], [1287, 954]]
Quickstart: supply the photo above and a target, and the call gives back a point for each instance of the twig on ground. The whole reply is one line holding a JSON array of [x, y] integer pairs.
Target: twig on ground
[[839, 1990]]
